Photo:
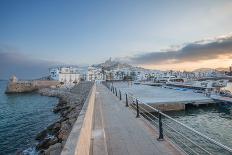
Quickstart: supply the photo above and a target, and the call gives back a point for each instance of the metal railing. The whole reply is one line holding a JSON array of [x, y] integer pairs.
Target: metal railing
[[186, 138]]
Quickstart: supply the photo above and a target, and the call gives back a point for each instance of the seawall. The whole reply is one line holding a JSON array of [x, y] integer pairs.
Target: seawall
[[29, 86], [79, 140]]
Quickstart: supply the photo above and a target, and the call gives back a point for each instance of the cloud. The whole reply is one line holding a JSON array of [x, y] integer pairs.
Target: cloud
[[12, 61], [196, 51]]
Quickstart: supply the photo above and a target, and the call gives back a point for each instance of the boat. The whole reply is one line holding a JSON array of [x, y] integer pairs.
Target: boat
[[225, 93], [137, 83]]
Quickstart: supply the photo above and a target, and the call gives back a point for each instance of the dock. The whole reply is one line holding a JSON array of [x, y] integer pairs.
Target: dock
[[165, 99], [186, 86], [117, 131], [221, 98]]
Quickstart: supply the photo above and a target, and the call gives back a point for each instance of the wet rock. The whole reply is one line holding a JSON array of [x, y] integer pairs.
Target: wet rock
[[41, 135], [45, 143], [54, 149], [56, 127]]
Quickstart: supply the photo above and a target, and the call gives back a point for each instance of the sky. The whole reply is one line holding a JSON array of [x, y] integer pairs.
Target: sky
[[155, 34]]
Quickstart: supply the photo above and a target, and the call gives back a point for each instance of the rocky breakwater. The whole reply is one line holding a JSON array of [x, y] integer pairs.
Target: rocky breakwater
[[52, 139]]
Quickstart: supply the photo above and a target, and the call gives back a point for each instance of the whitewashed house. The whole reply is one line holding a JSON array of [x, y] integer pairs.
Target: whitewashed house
[[95, 74], [65, 74]]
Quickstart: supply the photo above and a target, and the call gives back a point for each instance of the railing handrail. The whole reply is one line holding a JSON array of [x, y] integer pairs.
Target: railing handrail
[[191, 129]]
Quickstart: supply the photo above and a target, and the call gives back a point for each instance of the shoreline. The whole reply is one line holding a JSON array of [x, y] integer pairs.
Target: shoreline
[[52, 139]]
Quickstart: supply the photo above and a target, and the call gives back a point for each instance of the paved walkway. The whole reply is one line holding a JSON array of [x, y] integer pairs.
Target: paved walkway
[[116, 130]]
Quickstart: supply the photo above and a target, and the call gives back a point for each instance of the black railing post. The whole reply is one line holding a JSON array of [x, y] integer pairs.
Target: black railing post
[[161, 135], [120, 95], [137, 107], [127, 101]]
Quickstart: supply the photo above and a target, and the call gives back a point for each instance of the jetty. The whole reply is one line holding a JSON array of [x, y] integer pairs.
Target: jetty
[[106, 126], [186, 86], [111, 123], [219, 98], [165, 98], [116, 130]]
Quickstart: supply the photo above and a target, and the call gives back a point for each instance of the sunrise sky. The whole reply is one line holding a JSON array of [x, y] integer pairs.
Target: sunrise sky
[[156, 34]]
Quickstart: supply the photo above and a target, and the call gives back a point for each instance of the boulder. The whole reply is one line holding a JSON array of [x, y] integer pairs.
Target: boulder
[[54, 149], [41, 135]]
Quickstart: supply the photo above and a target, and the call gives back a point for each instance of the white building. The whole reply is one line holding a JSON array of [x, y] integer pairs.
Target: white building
[[95, 74], [65, 74]]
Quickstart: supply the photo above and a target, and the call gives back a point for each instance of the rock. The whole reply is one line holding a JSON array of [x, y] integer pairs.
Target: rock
[[56, 127], [41, 135], [72, 121], [53, 141], [69, 106], [44, 144], [63, 135], [54, 149], [64, 130], [41, 152]]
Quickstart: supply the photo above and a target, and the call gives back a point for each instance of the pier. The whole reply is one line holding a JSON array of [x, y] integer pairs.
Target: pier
[[117, 131], [165, 98], [111, 123], [221, 98]]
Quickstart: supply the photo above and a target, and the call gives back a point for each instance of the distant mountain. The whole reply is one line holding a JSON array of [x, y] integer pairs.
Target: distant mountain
[[211, 69]]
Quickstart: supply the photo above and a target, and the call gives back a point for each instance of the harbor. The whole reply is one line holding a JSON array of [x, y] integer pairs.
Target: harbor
[[116, 77], [164, 98], [98, 114]]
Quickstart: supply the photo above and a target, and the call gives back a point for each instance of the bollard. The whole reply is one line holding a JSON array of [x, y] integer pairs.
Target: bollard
[[120, 95], [137, 107], [116, 93], [127, 101], [161, 136]]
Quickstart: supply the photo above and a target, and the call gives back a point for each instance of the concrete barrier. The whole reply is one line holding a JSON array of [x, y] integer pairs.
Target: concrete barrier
[[79, 140]]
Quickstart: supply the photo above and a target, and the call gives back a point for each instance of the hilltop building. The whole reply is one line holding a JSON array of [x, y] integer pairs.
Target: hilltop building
[[113, 70], [65, 74], [229, 73]]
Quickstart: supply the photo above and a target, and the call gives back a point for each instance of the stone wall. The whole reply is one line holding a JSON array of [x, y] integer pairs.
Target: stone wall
[[20, 87], [28, 86], [79, 140]]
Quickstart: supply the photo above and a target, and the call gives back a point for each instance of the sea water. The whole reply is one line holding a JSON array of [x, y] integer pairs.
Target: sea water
[[22, 117]]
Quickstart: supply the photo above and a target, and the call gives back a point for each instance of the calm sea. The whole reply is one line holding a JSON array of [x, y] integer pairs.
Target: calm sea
[[22, 116]]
